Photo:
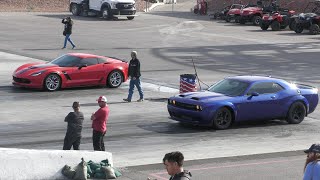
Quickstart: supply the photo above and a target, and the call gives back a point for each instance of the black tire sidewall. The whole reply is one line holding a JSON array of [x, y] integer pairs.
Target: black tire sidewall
[[290, 112], [214, 122]]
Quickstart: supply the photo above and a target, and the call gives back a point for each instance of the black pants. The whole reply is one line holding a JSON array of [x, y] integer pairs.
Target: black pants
[[97, 139], [71, 141]]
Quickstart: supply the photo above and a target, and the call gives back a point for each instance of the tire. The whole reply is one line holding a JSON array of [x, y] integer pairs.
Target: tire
[[222, 119], [264, 26], [296, 113], [52, 82], [228, 18], [237, 19], [275, 26], [130, 18], [292, 25], [115, 79], [75, 9], [106, 13], [256, 20], [314, 29], [242, 21], [298, 28]]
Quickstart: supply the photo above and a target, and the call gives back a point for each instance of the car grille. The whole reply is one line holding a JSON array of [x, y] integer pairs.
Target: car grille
[[21, 80], [184, 105], [124, 6]]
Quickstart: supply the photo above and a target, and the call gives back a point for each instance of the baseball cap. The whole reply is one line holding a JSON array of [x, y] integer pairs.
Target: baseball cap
[[102, 99], [313, 148]]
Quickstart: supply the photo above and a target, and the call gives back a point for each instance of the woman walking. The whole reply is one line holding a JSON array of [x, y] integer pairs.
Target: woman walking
[[67, 31]]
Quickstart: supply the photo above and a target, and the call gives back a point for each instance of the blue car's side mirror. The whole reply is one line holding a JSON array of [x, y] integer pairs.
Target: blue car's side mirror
[[254, 94]]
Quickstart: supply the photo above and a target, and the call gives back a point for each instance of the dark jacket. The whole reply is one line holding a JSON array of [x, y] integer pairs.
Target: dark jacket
[[134, 68], [185, 175], [74, 120], [67, 26]]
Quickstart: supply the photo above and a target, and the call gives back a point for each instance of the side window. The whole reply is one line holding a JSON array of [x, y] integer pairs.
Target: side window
[[265, 88], [101, 61], [89, 61]]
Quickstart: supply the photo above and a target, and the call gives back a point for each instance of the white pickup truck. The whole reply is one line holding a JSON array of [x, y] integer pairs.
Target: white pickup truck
[[103, 8]]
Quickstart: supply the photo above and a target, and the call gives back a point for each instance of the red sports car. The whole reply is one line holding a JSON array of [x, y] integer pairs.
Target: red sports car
[[72, 70]]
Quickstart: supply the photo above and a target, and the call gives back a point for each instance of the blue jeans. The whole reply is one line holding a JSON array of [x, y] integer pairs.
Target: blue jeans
[[67, 38], [136, 83]]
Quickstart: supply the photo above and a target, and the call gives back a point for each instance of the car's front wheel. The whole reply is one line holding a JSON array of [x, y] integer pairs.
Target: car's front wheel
[[115, 79], [52, 82], [222, 118], [296, 113]]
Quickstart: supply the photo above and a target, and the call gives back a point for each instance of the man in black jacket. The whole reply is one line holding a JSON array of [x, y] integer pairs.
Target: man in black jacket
[[174, 164], [67, 31], [134, 75], [73, 135]]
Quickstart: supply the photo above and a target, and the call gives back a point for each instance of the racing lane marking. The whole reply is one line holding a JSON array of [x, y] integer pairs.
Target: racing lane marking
[[158, 175]]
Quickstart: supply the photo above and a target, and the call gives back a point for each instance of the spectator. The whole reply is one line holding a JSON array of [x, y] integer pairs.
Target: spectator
[[73, 135], [312, 165], [68, 23], [134, 75], [99, 124], [174, 165]]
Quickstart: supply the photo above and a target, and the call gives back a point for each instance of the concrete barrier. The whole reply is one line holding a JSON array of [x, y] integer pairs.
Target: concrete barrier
[[25, 164]]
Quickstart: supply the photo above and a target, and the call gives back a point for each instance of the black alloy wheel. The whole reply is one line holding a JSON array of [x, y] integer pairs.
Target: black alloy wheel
[[296, 113], [222, 119]]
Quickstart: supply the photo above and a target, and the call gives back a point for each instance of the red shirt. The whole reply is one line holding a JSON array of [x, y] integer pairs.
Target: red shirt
[[101, 118]]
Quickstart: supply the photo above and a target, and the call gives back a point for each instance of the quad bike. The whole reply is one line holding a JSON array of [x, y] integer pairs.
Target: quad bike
[[309, 20], [221, 14], [234, 13], [254, 13], [277, 20]]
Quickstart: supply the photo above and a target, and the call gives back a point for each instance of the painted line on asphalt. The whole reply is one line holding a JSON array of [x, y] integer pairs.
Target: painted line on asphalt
[[158, 175]]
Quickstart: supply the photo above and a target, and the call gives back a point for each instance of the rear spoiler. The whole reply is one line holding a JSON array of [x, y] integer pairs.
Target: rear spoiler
[[117, 59]]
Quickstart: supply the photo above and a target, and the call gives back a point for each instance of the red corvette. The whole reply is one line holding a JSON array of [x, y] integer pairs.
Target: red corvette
[[72, 70]]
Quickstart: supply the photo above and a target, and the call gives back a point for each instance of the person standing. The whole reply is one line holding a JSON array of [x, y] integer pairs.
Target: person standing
[[99, 124], [134, 75], [173, 162], [73, 135], [312, 165], [68, 23]]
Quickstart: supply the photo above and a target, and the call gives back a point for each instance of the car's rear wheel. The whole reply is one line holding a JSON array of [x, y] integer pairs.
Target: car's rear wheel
[[75, 9], [222, 118], [52, 82], [115, 79], [296, 113]]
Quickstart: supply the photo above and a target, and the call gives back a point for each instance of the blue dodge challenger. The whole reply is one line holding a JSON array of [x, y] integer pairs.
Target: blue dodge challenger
[[244, 98]]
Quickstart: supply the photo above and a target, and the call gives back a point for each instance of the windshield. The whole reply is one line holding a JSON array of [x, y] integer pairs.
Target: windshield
[[229, 87], [66, 61]]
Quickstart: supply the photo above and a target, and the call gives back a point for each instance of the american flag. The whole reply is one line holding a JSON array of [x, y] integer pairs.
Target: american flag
[[188, 84]]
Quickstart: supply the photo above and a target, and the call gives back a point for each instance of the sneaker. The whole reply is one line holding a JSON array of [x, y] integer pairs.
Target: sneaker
[[127, 100], [63, 47], [73, 47], [140, 100]]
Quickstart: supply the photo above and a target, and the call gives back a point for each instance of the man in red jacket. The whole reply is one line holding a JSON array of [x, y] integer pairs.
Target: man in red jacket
[[99, 124]]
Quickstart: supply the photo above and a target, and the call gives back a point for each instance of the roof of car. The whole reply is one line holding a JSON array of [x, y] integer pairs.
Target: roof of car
[[84, 55], [251, 79]]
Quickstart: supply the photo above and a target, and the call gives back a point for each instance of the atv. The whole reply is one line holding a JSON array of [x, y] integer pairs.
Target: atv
[[310, 19], [254, 13], [221, 14], [234, 13], [277, 20]]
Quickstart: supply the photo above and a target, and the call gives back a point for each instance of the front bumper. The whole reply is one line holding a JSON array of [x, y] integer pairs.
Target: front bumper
[[123, 12], [30, 82], [200, 118]]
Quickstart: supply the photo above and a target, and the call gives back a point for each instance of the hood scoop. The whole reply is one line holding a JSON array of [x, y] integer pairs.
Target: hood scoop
[[195, 98]]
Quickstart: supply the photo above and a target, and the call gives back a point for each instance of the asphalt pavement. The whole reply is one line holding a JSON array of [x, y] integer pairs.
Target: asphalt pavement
[[141, 133]]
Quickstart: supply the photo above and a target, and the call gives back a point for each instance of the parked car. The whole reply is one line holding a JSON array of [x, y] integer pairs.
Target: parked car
[[72, 70], [244, 98]]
